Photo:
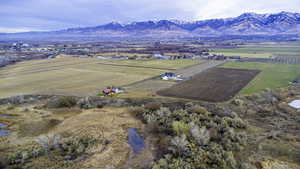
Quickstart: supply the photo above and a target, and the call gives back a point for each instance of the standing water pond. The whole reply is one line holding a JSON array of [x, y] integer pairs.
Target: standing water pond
[[4, 132], [6, 115], [135, 141], [295, 104]]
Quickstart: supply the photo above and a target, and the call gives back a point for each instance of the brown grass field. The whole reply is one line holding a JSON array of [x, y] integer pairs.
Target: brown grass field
[[78, 76], [215, 85]]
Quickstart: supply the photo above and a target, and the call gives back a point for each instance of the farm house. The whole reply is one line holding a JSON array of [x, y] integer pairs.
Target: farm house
[[112, 90], [170, 76], [162, 57], [297, 81]]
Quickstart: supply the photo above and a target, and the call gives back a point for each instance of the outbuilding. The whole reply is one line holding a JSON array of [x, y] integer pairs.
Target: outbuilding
[[170, 76], [112, 91], [297, 81], [234, 57], [162, 57]]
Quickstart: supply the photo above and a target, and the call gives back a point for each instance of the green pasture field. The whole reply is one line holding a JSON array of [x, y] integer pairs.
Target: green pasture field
[[271, 76], [259, 51]]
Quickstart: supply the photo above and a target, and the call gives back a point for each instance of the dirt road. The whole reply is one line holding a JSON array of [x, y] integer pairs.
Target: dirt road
[[198, 68]]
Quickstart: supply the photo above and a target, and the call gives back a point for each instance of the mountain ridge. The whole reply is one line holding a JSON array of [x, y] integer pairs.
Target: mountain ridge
[[245, 24]]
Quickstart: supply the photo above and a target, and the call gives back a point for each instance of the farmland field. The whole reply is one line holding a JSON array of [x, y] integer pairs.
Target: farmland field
[[153, 85], [165, 64], [272, 75], [120, 54], [259, 51], [214, 85], [77, 76]]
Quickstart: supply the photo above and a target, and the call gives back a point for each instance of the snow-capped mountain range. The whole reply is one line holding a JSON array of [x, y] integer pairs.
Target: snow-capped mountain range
[[246, 24]]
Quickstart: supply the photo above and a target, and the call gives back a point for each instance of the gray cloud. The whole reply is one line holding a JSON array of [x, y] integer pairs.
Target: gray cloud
[[20, 15]]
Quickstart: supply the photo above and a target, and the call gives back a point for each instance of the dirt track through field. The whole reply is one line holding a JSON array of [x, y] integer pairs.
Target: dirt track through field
[[198, 68]]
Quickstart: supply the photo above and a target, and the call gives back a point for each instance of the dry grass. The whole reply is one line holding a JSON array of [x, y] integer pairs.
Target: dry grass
[[78, 76], [112, 123], [163, 64], [35, 128], [70, 76], [121, 54]]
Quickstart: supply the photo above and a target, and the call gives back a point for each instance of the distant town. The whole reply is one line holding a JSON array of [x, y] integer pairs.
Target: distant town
[[13, 52]]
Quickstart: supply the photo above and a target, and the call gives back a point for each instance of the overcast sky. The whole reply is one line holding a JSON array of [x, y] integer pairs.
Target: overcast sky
[[35, 15]]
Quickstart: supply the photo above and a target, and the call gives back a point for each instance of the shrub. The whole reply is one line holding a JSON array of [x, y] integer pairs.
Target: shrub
[[15, 158], [163, 112], [73, 147], [161, 164], [153, 127], [86, 103], [214, 134], [25, 110], [236, 122], [23, 155], [237, 102], [90, 102], [197, 109], [49, 142], [153, 106], [11, 107], [62, 102], [179, 163], [67, 102], [230, 160], [137, 111], [202, 138], [116, 103], [70, 148], [150, 118], [179, 144], [180, 128], [201, 135], [232, 140], [215, 156]]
